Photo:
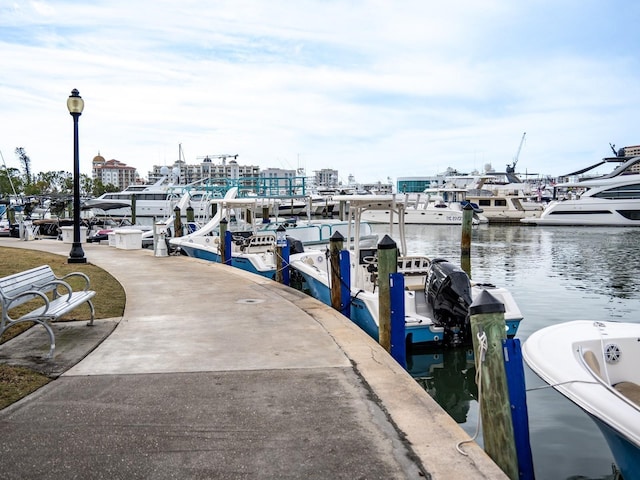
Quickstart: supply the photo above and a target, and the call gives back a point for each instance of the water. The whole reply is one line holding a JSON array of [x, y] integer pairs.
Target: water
[[556, 274]]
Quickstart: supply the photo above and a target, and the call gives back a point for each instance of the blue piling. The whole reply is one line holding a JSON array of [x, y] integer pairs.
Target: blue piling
[[228, 239], [345, 283], [398, 335], [518, 398]]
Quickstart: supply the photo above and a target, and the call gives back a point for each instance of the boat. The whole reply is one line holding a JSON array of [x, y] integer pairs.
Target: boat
[[254, 243], [504, 203], [437, 293], [438, 207], [610, 200], [158, 200], [595, 365]]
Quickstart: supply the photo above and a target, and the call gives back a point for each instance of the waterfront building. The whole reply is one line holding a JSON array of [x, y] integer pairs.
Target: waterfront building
[[326, 177], [207, 169], [113, 172], [418, 184]]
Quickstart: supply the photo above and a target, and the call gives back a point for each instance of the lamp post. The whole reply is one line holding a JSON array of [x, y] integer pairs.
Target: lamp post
[[75, 104]]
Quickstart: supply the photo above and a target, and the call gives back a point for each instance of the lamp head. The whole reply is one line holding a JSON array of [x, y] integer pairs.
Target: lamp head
[[75, 104]]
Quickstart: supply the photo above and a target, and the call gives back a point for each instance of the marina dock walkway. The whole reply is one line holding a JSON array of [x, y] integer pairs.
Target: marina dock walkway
[[216, 373]]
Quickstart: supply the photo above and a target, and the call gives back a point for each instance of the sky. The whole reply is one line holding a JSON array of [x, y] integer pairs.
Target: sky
[[379, 89]]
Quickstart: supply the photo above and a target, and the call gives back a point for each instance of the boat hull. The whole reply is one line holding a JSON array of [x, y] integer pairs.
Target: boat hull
[[587, 362], [361, 314], [419, 329]]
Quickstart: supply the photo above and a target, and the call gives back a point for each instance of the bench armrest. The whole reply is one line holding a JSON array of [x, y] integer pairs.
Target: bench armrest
[[29, 293], [77, 274], [56, 285]]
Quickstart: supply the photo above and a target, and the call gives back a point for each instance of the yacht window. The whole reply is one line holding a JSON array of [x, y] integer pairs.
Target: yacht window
[[623, 192]]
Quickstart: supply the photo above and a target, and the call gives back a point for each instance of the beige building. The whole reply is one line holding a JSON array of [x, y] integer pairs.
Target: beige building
[[113, 172]]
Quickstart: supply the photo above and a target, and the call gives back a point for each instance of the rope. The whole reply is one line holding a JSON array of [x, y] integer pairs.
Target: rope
[[479, 360]]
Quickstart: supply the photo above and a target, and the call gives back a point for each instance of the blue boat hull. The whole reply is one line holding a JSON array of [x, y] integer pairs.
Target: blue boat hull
[[238, 262], [361, 316], [625, 453]]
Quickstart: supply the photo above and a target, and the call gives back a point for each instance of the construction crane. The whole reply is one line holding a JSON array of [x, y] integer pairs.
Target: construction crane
[[512, 168], [222, 157]]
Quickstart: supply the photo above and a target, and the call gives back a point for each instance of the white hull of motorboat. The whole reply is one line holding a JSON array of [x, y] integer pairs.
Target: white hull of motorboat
[[595, 365], [422, 216], [589, 212], [506, 209]]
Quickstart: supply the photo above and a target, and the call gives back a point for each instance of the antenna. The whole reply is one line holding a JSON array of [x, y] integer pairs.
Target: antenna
[[8, 176]]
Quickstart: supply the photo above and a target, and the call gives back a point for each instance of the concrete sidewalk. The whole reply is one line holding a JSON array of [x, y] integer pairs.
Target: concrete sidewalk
[[216, 373]]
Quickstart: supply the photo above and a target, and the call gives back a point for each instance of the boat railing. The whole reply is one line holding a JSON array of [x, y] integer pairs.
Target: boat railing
[[413, 265]]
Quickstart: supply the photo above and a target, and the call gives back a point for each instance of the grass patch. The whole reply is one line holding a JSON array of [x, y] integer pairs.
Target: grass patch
[[109, 301], [18, 382]]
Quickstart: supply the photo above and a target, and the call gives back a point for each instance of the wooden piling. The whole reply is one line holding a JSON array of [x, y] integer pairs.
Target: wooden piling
[[387, 264], [335, 245], [223, 240], [281, 242], [133, 208], [177, 222], [488, 329], [465, 242]]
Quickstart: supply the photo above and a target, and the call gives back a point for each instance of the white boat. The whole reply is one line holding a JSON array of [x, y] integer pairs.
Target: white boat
[[436, 207], [157, 201], [504, 203], [595, 365], [501, 196], [437, 293], [254, 242], [609, 200]]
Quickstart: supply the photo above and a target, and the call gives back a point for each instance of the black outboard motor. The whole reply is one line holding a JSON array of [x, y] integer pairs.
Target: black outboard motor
[[295, 245], [449, 295]]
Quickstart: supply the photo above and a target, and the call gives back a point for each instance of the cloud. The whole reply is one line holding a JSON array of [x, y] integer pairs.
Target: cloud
[[373, 88]]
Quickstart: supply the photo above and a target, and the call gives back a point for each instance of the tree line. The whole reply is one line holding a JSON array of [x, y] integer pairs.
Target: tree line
[[24, 183]]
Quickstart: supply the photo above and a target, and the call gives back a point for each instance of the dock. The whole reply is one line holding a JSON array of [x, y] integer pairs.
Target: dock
[[215, 373]]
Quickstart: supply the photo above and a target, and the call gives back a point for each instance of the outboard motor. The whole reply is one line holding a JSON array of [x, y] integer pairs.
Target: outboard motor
[[295, 245], [449, 295]]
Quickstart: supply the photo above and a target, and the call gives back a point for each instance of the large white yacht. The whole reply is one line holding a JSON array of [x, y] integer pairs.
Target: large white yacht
[[157, 200], [608, 200]]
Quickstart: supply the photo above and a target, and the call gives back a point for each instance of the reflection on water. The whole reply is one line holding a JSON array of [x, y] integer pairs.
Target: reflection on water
[[448, 376], [555, 274]]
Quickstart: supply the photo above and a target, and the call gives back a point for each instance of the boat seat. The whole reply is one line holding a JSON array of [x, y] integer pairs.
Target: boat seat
[[630, 390], [592, 362]]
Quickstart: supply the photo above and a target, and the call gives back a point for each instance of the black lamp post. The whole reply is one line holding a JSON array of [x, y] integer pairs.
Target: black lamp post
[[75, 104]]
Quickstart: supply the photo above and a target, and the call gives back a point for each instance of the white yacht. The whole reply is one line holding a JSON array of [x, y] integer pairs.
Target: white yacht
[[157, 200], [608, 200]]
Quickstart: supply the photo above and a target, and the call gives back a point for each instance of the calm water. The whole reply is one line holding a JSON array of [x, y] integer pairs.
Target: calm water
[[556, 274]]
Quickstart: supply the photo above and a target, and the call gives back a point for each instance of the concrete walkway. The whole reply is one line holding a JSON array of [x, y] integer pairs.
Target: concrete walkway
[[216, 373]]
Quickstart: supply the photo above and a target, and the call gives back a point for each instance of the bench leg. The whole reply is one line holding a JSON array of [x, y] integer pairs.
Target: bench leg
[[93, 313], [52, 339], [44, 323]]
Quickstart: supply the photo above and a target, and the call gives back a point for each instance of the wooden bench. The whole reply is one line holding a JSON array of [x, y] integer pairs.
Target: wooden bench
[[35, 284]]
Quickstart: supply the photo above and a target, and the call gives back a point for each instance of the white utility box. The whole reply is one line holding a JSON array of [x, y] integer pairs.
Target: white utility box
[[67, 234], [128, 239]]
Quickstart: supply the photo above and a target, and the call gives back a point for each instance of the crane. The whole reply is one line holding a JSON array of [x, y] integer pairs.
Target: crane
[[512, 168]]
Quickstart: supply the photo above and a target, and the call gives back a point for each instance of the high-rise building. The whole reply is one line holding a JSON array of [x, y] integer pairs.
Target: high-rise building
[[113, 172]]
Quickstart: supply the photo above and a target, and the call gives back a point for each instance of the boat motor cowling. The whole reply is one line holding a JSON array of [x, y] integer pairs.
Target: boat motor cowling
[[449, 295], [295, 245]]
